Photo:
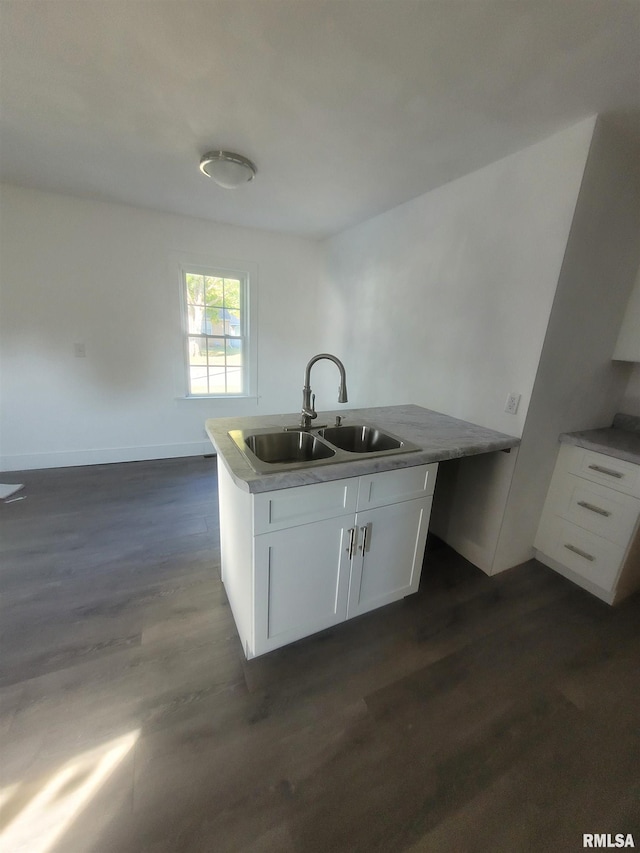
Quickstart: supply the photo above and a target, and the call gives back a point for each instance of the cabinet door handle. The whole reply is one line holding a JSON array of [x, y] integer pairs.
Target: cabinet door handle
[[365, 538], [601, 470], [352, 541], [580, 553], [594, 508]]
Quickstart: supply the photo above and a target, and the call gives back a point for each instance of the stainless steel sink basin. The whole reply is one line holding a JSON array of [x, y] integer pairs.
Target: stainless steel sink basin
[[272, 450], [360, 438], [283, 448]]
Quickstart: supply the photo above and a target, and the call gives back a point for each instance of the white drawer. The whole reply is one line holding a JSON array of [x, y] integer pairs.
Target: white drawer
[[401, 484], [304, 504], [594, 507], [592, 557], [607, 470]]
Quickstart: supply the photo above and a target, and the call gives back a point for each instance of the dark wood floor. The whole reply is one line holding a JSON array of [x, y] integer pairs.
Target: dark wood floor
[[482, 714]]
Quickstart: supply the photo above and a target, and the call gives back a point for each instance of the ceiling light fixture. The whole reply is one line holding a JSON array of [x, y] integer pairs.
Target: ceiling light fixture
[[227, 169]]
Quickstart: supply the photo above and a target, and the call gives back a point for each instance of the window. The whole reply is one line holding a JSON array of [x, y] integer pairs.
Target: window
[[216, 310]]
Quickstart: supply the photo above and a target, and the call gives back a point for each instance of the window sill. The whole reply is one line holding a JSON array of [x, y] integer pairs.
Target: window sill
[[209, 397]]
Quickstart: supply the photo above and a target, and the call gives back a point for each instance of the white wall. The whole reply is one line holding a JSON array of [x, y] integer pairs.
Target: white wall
[[444, 301], [578, 386], [631, 399], [628, 344], [74, 270]]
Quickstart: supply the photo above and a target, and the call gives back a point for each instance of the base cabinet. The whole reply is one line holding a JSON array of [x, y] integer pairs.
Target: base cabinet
[[300, 575], [590, 525]]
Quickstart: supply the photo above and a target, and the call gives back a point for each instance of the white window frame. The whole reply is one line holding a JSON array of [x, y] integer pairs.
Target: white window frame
[[247, 273]]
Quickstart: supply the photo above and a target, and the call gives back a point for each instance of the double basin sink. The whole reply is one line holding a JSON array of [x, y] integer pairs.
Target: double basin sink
[[271, 450]]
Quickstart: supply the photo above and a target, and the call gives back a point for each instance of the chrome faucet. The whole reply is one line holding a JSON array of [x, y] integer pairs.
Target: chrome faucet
[[309, 400]]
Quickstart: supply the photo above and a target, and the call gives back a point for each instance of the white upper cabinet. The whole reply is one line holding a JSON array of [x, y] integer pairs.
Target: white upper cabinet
[[628, 346]]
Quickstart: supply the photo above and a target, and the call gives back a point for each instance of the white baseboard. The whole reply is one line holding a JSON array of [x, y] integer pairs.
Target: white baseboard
[[101, 456]]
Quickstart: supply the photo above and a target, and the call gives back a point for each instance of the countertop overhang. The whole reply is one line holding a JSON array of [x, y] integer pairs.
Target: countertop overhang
[[439, 436]]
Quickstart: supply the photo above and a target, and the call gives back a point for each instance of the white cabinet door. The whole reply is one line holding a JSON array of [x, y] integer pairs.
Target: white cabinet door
[[301, 581], [388, 555]]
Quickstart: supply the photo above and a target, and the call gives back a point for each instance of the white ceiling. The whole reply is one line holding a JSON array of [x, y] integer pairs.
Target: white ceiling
[[348, 107]]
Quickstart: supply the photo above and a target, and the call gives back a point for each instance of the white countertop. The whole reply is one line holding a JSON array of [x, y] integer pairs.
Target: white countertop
[[439, 436]]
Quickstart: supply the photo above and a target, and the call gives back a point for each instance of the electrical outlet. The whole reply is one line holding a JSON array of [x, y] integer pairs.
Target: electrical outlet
[[513, 401], [80, 350]]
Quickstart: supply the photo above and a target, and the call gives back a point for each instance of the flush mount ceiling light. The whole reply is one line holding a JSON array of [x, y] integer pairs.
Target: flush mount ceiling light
[[227, 169]]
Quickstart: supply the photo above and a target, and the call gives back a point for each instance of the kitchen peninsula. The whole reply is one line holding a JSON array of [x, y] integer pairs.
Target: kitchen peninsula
[[306, 548]]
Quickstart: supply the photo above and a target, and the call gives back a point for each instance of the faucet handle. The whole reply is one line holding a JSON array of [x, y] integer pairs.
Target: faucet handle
[[338, 420]]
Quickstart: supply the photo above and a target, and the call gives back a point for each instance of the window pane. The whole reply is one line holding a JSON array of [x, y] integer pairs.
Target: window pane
[[196, 319], [214, 323], [214, 290], [198, 380], [217, 380], [231, 293], [215, 350], [232, 322], [216, 365], [197, 350], [234, 350], [195, 288]]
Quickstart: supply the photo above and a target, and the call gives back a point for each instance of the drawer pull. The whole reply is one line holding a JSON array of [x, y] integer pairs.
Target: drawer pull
[[594, 508], [601, 470], [580, 553]]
